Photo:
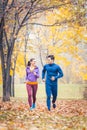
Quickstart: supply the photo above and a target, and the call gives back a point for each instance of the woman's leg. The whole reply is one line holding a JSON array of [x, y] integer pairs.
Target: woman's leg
[[29, 91], [34, 87]]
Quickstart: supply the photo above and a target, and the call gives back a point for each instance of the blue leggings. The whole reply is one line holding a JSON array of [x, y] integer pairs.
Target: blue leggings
[[51, 90]]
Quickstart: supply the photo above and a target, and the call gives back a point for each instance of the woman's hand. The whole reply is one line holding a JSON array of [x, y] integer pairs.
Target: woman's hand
[[35, 73]]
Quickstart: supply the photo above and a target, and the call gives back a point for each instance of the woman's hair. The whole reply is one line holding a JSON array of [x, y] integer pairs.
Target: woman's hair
[[29, 62], [51, 57]]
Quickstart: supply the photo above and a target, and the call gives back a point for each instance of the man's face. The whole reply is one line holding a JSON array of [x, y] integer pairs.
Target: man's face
[[49, 61]]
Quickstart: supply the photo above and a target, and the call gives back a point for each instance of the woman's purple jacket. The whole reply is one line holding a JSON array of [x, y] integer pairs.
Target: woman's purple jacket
[[30, 75]]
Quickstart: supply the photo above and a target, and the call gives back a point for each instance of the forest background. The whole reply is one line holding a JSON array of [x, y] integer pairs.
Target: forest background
[[36, 28]]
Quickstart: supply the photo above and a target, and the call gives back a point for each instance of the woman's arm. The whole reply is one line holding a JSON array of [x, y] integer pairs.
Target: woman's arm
[[27, 72], [36, 73]]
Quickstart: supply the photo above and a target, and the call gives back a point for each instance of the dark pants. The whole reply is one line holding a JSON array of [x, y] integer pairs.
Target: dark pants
[[51, 90], [31, 90]]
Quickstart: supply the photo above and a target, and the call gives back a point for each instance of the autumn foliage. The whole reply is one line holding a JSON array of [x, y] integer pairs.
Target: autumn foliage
[[69, 115]]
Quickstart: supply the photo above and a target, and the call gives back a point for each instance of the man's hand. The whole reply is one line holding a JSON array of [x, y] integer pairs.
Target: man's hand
[[52, 78], [43, 80]]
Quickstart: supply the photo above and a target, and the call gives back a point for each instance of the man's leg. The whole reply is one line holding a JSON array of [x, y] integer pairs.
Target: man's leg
[[48, 93], [54, 93]]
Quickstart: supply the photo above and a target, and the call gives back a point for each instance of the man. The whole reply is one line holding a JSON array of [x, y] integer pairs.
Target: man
[[52, 72]]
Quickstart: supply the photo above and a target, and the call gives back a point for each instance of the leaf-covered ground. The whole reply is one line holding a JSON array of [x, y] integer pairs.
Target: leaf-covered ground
[[69, 115]]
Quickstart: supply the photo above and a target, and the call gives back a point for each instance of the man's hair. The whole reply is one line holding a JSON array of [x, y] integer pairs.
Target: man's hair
[[51, 57]]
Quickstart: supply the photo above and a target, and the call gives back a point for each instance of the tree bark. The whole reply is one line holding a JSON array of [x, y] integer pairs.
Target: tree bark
[[7, 83], [12, 86]]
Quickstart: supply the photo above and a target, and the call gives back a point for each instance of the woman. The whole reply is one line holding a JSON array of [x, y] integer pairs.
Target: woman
[[32, 73]]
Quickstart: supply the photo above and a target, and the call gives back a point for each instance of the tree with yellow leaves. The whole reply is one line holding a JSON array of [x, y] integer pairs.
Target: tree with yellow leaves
[[14, 15]]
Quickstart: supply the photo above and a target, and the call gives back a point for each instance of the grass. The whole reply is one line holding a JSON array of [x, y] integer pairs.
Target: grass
[[65, 91]]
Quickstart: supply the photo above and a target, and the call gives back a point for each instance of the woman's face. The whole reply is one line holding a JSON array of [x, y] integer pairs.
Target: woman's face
[[33, 62]]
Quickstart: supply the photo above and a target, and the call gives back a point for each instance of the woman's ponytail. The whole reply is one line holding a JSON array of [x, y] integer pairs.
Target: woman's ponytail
[[28, 64]]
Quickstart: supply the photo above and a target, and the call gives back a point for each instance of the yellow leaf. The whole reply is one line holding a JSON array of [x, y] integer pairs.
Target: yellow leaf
[[11, 72]]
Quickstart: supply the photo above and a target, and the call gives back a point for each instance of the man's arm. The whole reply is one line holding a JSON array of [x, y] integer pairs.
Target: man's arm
[[43, 73], [60, 73]]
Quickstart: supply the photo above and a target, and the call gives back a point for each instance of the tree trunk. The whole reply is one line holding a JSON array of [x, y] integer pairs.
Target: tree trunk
[[6, 63], [41, 57], [6, 78], [12, 86], [12, 83]]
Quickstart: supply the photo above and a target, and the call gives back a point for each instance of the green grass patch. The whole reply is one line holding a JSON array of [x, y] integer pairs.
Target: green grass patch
[[65, 91]]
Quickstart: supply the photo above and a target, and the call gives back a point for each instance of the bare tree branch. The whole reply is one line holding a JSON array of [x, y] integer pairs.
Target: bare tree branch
[[12, 3], [6, 38], [41, 10], [24, 19]]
